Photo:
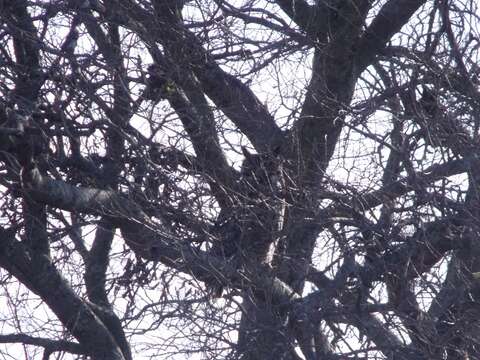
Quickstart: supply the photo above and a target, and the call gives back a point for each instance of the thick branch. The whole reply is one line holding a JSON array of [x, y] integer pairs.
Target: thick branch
[[233, 97], [420, 251], [396, 189], [390, 19], [407, 184], [39, 274], [150, 240], [363, 320], [311, 19], [48, 344], [198, 120]]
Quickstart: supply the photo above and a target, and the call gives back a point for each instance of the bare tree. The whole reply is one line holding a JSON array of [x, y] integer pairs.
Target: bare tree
[[251, 179]]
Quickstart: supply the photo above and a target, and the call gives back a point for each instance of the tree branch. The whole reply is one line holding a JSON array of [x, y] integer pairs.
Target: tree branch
[[149, 240], [39, 274], [48, 344], [389, 20], [310, 18], [233, 97]]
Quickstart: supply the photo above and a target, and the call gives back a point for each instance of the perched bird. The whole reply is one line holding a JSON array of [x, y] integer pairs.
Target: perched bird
[[245, 232], [429, 102], [155, 83]]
